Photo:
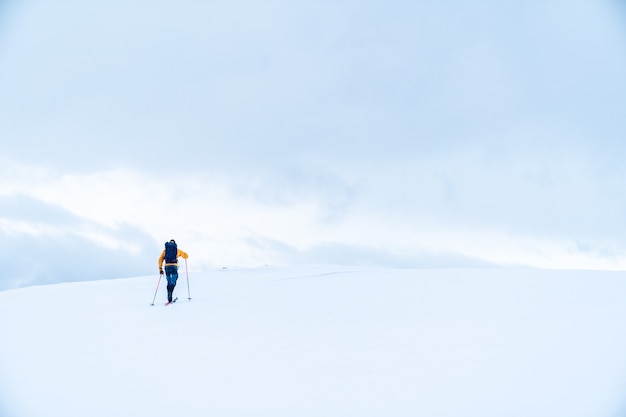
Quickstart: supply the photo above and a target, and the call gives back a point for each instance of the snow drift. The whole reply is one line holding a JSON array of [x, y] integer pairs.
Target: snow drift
[[319, 341]]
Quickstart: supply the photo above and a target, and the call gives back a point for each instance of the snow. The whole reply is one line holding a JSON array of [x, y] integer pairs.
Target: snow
[[319, 341]]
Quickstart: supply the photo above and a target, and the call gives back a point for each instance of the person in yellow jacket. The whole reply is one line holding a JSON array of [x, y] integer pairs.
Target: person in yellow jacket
[[170, 256]]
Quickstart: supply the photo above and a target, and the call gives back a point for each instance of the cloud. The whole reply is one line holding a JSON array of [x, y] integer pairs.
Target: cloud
[[450, 212], [43, 259], [353, 254], [208, 86], [47, 244], [276, 132]]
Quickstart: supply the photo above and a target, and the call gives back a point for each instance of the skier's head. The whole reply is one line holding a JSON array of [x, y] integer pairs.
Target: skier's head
[[173, 241]]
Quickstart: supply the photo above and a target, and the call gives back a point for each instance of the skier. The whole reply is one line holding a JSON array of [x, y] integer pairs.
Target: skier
[[170, 255]]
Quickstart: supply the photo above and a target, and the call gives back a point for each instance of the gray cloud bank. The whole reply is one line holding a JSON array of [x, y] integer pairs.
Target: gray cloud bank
[[56, 247]]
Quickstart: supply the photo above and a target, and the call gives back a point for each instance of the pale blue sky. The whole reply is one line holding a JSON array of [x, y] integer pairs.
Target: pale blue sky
[[402, 133]]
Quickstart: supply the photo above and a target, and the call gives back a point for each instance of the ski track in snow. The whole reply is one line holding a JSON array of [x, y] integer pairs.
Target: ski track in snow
[[319, 341]]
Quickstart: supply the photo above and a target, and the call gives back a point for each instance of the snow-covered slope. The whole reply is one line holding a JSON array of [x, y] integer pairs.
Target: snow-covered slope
[[319, 341]]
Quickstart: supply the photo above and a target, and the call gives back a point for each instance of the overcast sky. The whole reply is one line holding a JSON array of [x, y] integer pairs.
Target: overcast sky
[[396, 133]]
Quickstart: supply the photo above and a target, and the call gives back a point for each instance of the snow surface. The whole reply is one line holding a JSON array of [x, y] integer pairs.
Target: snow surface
[[319, 341]]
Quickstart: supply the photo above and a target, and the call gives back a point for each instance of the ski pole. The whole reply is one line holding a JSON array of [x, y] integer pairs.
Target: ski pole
[[157, 289], [187, 272]]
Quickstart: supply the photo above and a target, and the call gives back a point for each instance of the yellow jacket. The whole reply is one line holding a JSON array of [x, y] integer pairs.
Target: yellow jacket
[[179, 254]]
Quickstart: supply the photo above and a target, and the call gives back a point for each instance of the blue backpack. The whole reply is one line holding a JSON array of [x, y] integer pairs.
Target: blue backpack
[[171, 253]]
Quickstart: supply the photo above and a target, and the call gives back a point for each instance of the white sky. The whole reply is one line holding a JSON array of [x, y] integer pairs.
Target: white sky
[[402, 133]]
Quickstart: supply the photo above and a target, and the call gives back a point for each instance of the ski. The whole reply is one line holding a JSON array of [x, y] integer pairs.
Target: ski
[[170, 302]]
